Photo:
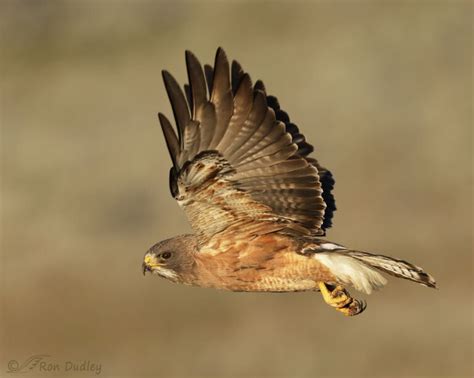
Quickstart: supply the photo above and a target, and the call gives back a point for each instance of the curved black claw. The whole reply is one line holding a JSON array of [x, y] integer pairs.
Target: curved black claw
[[355, 307]]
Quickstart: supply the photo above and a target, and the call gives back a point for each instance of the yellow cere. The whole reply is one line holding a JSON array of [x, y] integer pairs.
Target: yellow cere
[[151, 261]]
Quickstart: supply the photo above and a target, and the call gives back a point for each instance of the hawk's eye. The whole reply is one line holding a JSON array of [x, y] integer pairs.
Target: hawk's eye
[[166, 255]]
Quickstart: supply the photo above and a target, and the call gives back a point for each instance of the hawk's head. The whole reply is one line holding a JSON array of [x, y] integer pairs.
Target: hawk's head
[[171, 258]]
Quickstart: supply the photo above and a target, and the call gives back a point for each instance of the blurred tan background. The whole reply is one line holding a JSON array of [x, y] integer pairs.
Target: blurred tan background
[[383, 91]]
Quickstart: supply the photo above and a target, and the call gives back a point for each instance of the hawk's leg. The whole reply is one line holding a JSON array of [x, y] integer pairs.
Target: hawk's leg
[[339, 298]]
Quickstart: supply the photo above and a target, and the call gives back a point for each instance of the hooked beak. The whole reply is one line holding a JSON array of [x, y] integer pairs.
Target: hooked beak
[[149, 262], [145, 268]]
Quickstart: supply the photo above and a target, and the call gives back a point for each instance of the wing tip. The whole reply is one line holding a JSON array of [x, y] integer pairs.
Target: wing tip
[[259, 86], [190, 56], [165, 73], [220, 50], [221, 59], [168, 80], [162, 118]]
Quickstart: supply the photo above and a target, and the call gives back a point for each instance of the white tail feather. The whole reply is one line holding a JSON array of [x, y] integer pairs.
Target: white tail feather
[[352, 272]]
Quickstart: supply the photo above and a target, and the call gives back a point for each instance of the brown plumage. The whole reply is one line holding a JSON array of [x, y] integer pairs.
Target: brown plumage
[[258, 204]]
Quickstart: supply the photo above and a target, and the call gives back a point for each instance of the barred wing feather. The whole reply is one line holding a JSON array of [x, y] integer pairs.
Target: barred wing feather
[[238, 161]]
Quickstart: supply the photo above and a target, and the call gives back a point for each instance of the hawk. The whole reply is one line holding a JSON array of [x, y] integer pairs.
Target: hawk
[[258, 204]]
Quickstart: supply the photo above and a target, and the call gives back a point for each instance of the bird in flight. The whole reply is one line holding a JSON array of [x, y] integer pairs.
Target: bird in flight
[[258, 204]]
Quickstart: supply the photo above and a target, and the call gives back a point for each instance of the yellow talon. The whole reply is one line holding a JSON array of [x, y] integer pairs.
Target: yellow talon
[[336, 298], [340, 299]]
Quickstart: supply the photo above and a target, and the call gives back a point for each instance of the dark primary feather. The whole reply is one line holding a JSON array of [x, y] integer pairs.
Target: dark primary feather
[[170, 138], [176, 96], [209, 72], [237, 157], [197, 84], [237, 73], [221, 97]]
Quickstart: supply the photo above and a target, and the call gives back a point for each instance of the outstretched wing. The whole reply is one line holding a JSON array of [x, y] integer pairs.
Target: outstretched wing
[[238, 162]]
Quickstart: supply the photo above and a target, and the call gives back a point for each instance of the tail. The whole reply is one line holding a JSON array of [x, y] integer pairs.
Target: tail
[[395, 267], [361, 269]]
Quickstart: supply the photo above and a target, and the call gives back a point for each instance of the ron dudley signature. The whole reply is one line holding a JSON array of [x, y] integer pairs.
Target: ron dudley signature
[[43, 363]]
